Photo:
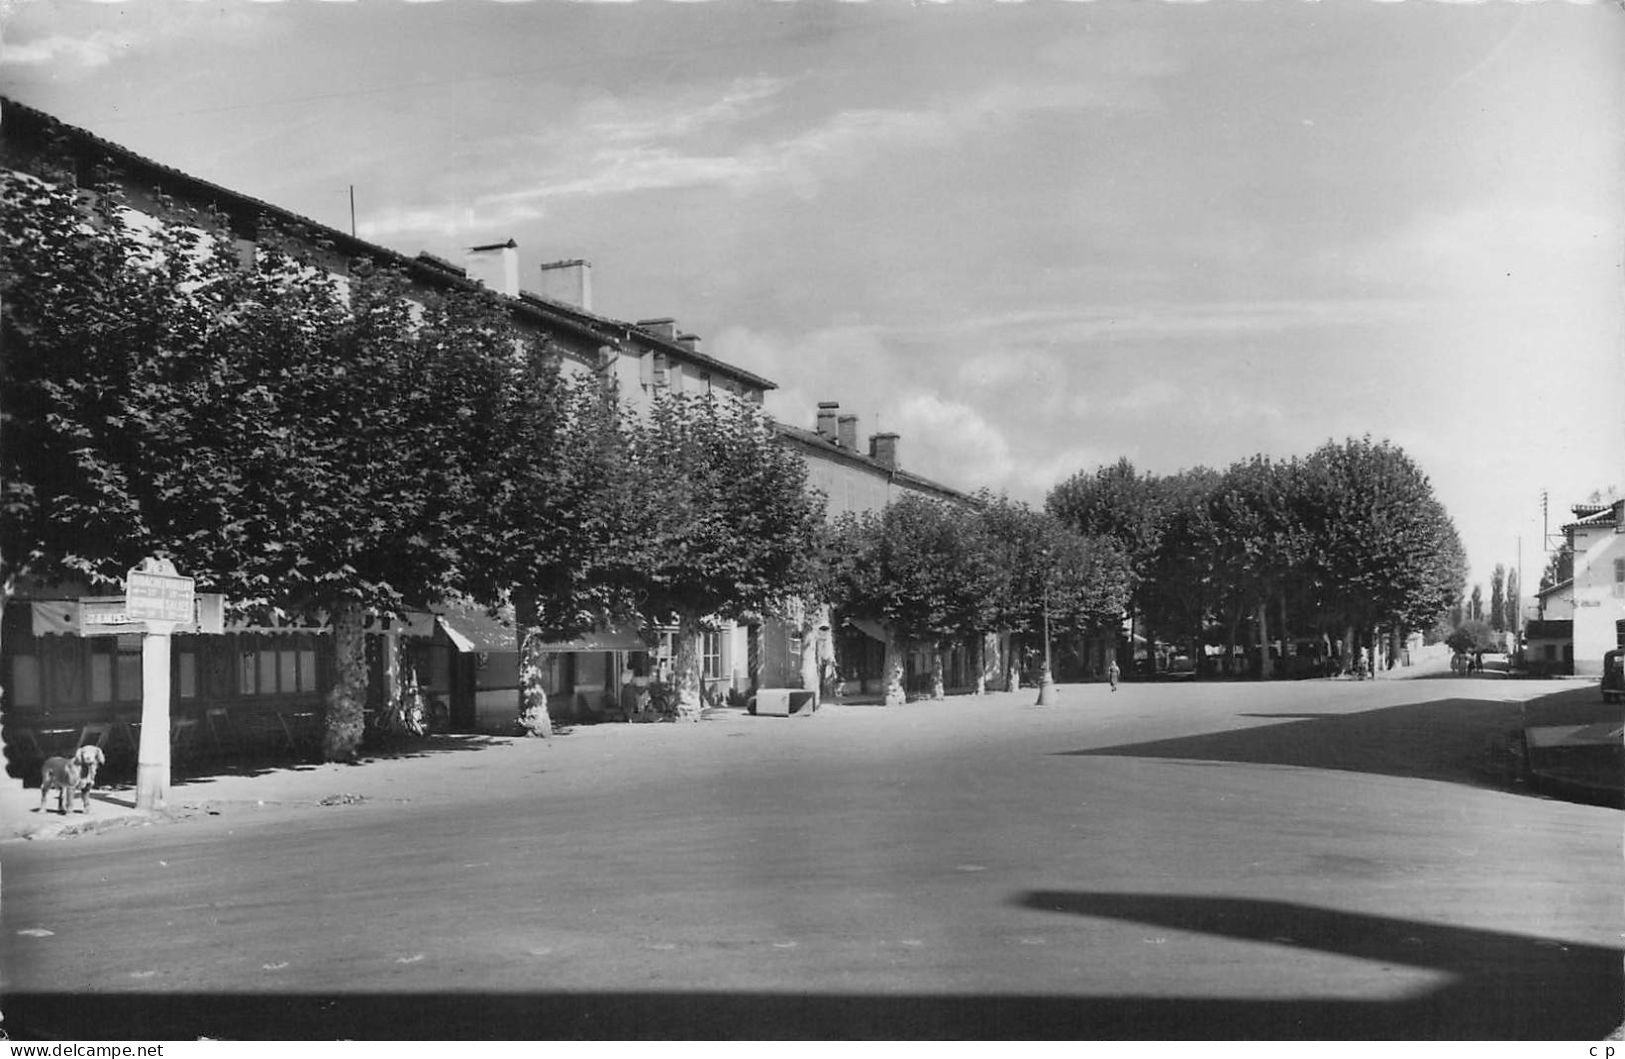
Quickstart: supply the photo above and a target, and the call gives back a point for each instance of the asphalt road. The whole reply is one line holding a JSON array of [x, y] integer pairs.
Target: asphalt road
[[1300, 861]]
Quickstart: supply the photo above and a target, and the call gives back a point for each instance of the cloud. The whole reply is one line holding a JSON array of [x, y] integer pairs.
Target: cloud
[[646, 119], [97, 49], [1497, 249], [611, 148]]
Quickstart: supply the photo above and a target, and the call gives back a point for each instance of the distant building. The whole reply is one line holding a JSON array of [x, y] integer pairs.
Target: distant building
[[1592, 602]]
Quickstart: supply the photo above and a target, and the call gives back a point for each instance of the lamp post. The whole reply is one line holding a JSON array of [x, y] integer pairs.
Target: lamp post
[[1046, 676]]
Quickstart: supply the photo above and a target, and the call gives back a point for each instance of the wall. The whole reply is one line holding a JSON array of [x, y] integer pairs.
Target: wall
[[1599, 593]]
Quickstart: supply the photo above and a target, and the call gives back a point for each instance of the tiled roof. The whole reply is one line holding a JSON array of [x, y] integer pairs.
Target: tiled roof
[[824, 446]]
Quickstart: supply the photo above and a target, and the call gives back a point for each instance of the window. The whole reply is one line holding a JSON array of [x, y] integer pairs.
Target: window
[[711, 648], [186, 672], [278, 665], [25, 680]]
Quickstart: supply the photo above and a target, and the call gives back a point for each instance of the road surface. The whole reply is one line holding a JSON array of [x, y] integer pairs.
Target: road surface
[[1317, 860]]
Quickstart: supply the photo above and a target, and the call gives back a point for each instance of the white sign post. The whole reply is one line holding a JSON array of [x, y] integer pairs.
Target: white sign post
[[156, 595]]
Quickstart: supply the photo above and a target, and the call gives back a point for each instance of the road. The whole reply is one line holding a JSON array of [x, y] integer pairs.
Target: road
[[1313, 860]]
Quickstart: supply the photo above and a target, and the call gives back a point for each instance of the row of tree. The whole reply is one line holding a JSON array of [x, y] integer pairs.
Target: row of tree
[[1500, 614], [333, 447], [1343, 544], [337, 446], [935, 574]]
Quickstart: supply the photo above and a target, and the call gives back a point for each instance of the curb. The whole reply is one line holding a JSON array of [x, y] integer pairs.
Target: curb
[[70, 828]]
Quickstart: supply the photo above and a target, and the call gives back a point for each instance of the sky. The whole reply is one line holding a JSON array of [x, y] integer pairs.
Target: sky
[[1030, 238]]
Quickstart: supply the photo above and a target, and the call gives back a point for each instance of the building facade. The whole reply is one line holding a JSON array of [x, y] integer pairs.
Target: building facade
[[265, 676]]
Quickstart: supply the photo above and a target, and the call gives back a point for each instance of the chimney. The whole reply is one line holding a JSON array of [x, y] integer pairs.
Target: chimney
[[569, 282], [826, 418], [689, 342], [848, 432], [495, 265], [883, 448], [664, 326]]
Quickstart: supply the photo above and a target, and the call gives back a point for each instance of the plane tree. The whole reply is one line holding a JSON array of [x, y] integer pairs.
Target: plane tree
[[288, 439], [720, 524]]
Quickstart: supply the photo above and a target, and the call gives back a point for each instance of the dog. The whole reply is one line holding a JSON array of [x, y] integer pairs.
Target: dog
[[70, 777]]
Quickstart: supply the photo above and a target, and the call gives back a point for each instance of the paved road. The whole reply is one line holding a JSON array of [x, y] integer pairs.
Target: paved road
[[1315, 860]]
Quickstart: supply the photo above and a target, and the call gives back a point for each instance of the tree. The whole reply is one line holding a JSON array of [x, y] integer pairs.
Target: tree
[[1473, 635], [1513, 603], [1559, 568], [1046, 570], [1475, 605], [732, 529], [1260, 542], [899, 567], [1497, 615], [1126, 506], [1384, 549], [283, 439]]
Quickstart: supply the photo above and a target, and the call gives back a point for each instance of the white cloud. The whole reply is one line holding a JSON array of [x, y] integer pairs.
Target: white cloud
[[97, 49]]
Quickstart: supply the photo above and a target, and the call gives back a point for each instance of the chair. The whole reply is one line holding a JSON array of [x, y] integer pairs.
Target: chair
[[98, 732], [221, 731], [182, 738]]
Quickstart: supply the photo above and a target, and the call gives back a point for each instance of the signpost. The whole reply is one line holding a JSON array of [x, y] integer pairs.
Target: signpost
[[158, 596]]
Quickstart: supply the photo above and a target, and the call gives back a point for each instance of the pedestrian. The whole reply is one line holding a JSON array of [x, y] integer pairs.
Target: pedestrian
[[1112, 673]]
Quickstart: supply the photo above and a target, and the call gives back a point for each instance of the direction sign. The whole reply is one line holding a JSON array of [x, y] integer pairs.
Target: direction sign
[[159, 597]]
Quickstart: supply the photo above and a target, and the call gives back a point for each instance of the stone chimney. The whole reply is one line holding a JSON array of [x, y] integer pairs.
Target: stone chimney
[[569, 282], [663, 326], [847, 432], [883, 448], [689, 342], [827, 411], [495, 265]]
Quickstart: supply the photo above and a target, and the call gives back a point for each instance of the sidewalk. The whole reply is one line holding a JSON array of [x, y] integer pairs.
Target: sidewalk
[[1575, 745], [437, 768], [429, 769]]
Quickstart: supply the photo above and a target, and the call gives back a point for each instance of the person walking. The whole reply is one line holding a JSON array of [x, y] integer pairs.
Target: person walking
[[1112, 673]]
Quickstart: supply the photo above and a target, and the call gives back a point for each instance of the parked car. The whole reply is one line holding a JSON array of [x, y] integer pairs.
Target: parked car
[[1613, 675]]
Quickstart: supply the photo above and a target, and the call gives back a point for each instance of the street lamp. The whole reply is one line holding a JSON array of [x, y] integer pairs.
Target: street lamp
[[1046, 676]]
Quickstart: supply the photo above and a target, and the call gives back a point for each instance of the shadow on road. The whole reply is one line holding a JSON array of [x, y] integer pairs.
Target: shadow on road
[[1503, 987], [203, 767], [1455, 740]]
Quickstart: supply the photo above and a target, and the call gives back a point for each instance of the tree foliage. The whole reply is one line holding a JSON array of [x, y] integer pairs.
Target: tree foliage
[[291, 440], [1344, 540], [720, 521]]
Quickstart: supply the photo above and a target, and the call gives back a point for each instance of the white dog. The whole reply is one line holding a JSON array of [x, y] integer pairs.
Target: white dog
[[70, 777]]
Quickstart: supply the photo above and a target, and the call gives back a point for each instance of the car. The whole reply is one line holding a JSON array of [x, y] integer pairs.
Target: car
[[1613, 675]]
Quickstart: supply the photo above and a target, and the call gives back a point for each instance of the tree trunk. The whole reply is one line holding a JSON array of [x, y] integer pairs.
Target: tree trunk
[[1349, 647], [534, 715], [1230, 644], [1264, 668], [810, 614], [896, 695], [1286, 638], [347, 699], [686, 668], [980, 644], [939, 688]]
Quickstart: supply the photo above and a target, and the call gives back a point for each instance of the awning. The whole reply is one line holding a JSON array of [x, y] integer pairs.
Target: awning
[[872, 629], [618, 638], [474, 629]]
